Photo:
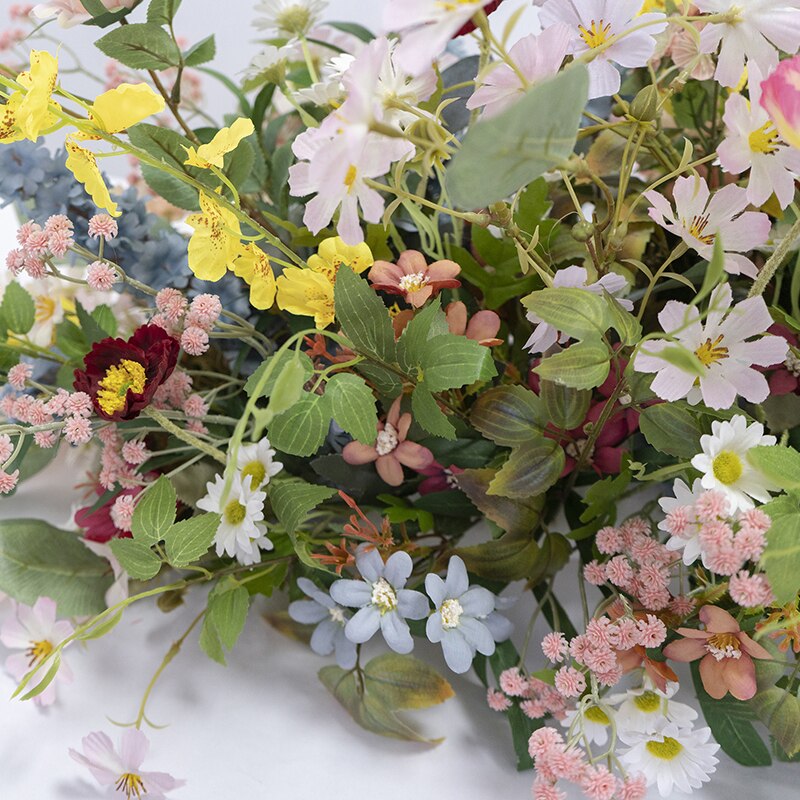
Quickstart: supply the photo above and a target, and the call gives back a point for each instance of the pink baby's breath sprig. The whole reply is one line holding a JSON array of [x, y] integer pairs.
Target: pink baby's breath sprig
[[103, 226], [100, 276]]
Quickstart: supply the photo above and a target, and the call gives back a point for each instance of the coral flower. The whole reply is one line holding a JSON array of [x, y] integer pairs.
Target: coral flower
[[413, 278], [727, 654], [481, 327], [391, 451], [122, 376]]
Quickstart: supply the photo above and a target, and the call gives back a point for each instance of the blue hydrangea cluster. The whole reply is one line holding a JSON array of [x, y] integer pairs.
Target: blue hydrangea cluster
[[38, 183]]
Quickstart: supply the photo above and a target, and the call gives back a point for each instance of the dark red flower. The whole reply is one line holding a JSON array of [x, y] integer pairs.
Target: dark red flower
[[97, 523], [438, 478], [122, 376], [470, 26], [785, 379]]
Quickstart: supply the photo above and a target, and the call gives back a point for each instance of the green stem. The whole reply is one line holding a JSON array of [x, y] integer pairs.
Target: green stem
[[184, 435], [775, 261]]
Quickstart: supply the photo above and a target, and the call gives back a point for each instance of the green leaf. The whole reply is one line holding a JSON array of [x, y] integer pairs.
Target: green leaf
[[781, 558], [779, 710], [413, 342], [565, 407], [363, 317], [71, 341], [154, 512], [224, 621], [104, 317], [685, 360], [386, 382], [509, 415], [715, 273], [504, 559], [301, 430], [353, 406], [781, 465], [583, 365], [38, 560], [18, 309], [623, 322], [516, 517], [292, 501], [359, 31], [141, 45], [672, 429], [531, 469], [282, 358], [576, 312], [285, 391], [450, 362], [509, 151], [602, 496], [200, 53], [189, 540], [46, 680], [137, 559], [101, 17], [162, 12], [428, 414]]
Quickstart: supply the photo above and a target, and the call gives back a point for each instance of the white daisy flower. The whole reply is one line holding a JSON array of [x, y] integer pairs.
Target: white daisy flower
[[256, 460], [329, 90], [289, 17], [753, 143], [241, 533], [643, 710], [594, 724], [673, 758], [757, 30], [685, 498], [271, 62], [593, 23], [724, 463]]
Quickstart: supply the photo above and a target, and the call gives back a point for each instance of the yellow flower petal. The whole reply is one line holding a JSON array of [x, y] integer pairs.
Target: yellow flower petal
[[30, 109], [333, 252], [215, 242], [253, 265], [125, 105], [224, 141], [83, 166], [306, 293]]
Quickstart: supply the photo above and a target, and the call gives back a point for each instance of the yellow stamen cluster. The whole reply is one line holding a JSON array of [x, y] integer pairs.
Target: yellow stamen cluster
[[697, 228], [131, 784], [727, 467], [667, 750], [596, 34], [127, 375], [765, 140], [257, 473], [38, 652], [649, 702], [711, 352]]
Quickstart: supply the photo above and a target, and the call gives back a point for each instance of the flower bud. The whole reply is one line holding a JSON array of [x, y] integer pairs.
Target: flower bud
[[645, 105], [582, 231]]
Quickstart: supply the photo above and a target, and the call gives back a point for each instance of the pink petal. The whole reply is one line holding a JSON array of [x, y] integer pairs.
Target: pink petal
[[752, 648], [389, 469], [456, 314], [403, 424], [359, 453], [133, 749], [393, 417], [385, 273], [443, 270], [420, 297], [740, 677], [712, 673], [413, 455], [717, 620], [483, 326], [684, 650], [412, 261]]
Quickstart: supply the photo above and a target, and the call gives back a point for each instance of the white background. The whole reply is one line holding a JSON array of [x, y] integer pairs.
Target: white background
[[264, 726]]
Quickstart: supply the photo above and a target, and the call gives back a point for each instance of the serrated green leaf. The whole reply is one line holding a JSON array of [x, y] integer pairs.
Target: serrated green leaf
[[672, 429], [779, 710], [509, 415], [427, 324], [18, 309], [281, 359], [200, 53], [427, 413], [71, 341], [781, 557], [301, 430], [623, 322], [531, 469], [450, 362], [154, 512], [583, 365], [576, 312], [140, 45], [162, 12], [292, 501], [136, 558], [224, 620], [353, 406], [189, 540], [781, 465], [104, 317], [504, 559]]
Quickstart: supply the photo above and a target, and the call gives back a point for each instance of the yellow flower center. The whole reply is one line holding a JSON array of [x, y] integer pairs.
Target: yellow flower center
[[710, 352], [451, 613], [295, 19], [727, 467], [596, 715], [697, 228], [131, 784], [257, 473], [765, 140], [649, 702], [667, 750], [596, 34], [44, 308], [234, 512], [38, 652], [127, 375], [350, 177], [384, 596]]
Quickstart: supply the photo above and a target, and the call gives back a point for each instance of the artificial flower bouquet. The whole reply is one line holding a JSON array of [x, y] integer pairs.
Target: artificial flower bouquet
[[456, 277]]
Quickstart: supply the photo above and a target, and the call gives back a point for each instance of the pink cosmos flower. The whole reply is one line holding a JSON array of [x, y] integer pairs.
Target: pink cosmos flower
[[753, 143], [481, 327], [780, 98], [698, 218], [122, 769], [391, 451], [727, 654], [721, 345], [73, 12], [593, 22], [413, 278], [537, 57], [36, 631]]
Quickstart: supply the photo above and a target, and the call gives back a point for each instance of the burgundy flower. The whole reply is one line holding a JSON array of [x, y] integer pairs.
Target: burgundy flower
[[122, 376], [97, 523], [438, 478], [391, 451], [786, 378], [481, 327], [413, 278], [727, 654], [468, 27]]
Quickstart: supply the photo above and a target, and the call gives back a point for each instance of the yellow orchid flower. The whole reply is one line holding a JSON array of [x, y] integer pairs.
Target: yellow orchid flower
[[333, 252], [83, 165], [216, 241], [253, 265], [224, 141], [27, 114], [306, 293], [125, 105]]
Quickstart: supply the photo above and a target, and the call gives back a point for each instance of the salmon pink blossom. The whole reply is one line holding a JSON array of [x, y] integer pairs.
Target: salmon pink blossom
[[780, 97], [413, 278]]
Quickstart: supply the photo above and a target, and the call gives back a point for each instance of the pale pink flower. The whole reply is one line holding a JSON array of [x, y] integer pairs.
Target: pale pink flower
[[537, 57], [171, 303], [44, 439], [752, 143], [760, 29], [555, 647], [79, 404], [595, 573], [59, 242], [699, 218], [8, 481], [497, 701], [73, 12], [633, 788], [6, 447], [569, 682], [205, 310], [608, 540], [122, 769], [750, 591], [533, 709], [103, 225], [38, 243], [723, 345], [513, 682], [78, 430], [627, 633], [57, 403], [598, 783], [619, 571], [413, 278], [544, 790], [652, 631], [682, 606], [195, 406], [593, 22], [36, 631], [194, 341], [101, 276], [780, 97], [122, 512], [19, 375], [15, 261], [543, 741], [196, 427]]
